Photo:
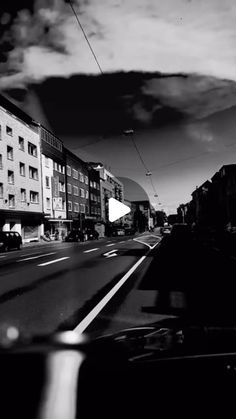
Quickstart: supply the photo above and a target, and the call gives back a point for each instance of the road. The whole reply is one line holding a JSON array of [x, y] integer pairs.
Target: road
[[56, 286], [103, 286]]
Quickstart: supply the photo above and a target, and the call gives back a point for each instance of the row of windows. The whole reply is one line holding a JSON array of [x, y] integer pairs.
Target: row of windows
[[77, 207], [94, 185], [59, 167], [77, 175], [33, 173], [95, 210], [83, 193], [33, 196], [32, 150], [50, 139], [95, 198]]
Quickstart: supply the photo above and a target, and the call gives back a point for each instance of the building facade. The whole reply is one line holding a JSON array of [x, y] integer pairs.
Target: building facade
[[21, 207], [53, 183], [77, 190]]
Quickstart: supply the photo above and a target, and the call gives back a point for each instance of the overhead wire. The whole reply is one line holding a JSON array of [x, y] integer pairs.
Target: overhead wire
[[148, 173], [85, 36]]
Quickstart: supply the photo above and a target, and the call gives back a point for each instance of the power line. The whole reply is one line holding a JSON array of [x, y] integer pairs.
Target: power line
[[85, 36]]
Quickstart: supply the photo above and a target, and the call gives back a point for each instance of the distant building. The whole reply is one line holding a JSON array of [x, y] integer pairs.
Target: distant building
[[128, 219], [53, 182], [203, 204], [223, 196], [77, 191], [21, 206], [93, 220], [111, 187], [142, 215], [173, 218]]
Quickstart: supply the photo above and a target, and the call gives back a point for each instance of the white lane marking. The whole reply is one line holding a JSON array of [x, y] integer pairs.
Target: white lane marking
[[138, 240], [36, 257], [122, 241], [96, 310], [112, 244], [2, 256], [111, 253], [80, 328], [54, 261], [91, 250]]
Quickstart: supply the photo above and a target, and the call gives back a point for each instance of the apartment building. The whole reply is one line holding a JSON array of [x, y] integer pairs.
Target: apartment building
[[53, 183], [77, 190], [20, 173]]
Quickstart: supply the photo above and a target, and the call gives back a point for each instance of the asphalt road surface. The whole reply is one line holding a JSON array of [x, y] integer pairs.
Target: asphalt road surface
[[57, 286], [106, 285]]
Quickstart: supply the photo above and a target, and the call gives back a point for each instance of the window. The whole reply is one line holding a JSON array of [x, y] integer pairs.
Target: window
[[98, 187], [21, 143], [86, 180], [32, 149], [1, 161], [33, 173], [91, 184], [63, 205], [81, 177], [46, 162], [10, 177], [82, 193], [0, 132], [9, 131], [1, 190], [68, 170], [23, 195], [76, 190], [94, 185], [61, 186], [87, 209], [99, 211], [86, 195], [75, 173], [47, 180], [9, 152], [34, 197], [11, 200], [48, 201], [76, 207], [82, 208], [69, 188], [99, 199], [22, 169], [51, 139], [69, 206]]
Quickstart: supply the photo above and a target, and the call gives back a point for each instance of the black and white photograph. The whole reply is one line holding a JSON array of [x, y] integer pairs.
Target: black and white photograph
[[117, 209]]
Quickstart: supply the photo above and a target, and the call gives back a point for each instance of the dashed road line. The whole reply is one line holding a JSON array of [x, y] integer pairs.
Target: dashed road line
[[36, 257], [3, 256], [112, 244], [91, 250], [54, 261]]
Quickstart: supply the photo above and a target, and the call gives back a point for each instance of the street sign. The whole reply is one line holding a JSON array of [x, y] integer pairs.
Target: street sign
[[57, 204]]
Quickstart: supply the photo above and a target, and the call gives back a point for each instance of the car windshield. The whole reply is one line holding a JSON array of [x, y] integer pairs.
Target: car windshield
[[117, 164]]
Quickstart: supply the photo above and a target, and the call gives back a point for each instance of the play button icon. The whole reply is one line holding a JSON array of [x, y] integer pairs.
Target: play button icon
[[117, 209]]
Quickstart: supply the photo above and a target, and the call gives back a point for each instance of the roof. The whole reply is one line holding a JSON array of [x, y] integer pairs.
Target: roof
[[12, 108]]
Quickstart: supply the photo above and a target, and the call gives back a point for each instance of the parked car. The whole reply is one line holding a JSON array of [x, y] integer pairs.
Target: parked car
[[129, 231], [10, 240], [92, 235], [74, 236], [118, 232]]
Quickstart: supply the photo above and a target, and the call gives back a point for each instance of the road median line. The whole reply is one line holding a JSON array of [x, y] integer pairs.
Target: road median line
[[80, 328], [36, 257], [91, 250]]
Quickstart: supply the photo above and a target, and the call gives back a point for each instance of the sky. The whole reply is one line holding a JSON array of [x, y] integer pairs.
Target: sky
[[168, 72]]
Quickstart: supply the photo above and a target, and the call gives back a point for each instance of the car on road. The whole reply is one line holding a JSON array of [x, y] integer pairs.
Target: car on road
[[118, 232], [165, 230], [10, 240]]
